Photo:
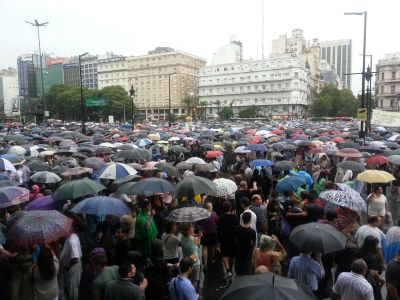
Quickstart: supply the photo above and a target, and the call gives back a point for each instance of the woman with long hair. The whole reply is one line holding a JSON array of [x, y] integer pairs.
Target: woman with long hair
[[43, 275]]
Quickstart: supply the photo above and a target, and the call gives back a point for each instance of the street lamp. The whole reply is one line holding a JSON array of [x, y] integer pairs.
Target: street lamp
[[37, 25], [132, 93], [80, 81], [169, 99], [362, 133]]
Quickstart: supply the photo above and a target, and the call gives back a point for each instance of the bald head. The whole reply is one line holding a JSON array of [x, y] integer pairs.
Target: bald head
[[359, 267]]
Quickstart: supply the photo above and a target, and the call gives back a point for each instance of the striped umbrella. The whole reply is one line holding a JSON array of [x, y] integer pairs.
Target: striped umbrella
[[39, 227], [6, 165], [115, 171], [189, 214], [11, 195], [101, 205]]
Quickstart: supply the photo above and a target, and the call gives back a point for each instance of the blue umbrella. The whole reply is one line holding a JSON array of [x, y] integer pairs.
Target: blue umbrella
[[101, 205], [260, 163], [143, 142], [290, 183], [256, 147]]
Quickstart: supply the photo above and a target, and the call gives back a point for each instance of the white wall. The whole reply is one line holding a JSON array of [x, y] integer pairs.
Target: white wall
[[10, 93]]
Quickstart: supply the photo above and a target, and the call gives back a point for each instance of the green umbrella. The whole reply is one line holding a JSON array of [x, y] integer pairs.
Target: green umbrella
[[178, 149], [18, 139], [168, 168], [194, 185], [78, 188]]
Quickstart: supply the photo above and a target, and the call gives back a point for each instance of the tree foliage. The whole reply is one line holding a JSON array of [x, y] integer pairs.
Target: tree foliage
[[248, 112], [225, 113], [64, 102], [332, 102]]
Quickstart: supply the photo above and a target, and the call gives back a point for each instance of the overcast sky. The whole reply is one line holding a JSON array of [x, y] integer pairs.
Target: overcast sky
[[200, 27]]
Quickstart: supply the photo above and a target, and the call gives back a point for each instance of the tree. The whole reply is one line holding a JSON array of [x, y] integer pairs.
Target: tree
[[248, 112], [203, 106], [225, 113], [332, 102]]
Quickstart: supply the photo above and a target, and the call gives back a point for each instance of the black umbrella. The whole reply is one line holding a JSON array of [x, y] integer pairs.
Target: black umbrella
[[284, 165], [194, 185], [347, 144], [267, 286], [168, 168], [352, 165], [178, 149], [148, 186], [370, 149]]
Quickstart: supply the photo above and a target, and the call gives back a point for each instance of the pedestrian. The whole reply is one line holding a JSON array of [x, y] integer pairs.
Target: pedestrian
[[145, 229], [392, 278], [245, 202], [105, 275], [209, 239], [245, 239], [170, 243], [181, 287], [377, 205], [270, 253], [190, 248], [261, 214], [123, 244], [353, 285]]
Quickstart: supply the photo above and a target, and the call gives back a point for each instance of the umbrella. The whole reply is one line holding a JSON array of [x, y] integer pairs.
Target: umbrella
[[241, 149], [18, 139], [267, 286], [195, 160], [318, 238], [6, 165], [278, 146], [189, 214], [42, 203], [4, 177], [78, 188], [225, 187], [205, 168], [101, 205], [256, 147], [337, 139], [45, 177], [168, 168], [5, 183], [93, 163], [260, 163], [304, 143], [148, 186], [351, 165], [174, 139], [375, 176], [394, 159], [17, 150], [284, 165], [13, 158], [115, 171], [76, 171], [183, 165], [12, 195], [371, 149], [126, 179], [104, 150], [39, 227], [194, 185], [178, 149], [130, 154], [345, 197], [59, 169], [214, 154], [377, 160], [349, 152], [290, 183], [143, 142], [38, 165]]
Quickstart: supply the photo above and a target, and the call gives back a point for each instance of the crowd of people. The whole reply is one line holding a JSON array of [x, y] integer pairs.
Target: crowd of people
[[147, 255]]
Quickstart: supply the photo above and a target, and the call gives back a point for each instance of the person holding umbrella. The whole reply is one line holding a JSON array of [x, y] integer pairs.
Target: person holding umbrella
[[145, 229]]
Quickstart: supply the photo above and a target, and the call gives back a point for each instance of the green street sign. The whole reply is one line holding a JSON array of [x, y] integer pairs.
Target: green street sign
[[95, 102]]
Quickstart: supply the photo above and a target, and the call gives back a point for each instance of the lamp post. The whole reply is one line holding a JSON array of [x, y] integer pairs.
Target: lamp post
[[362, 133], [37, 25], [132, 93], [169, 99], [81, 85]]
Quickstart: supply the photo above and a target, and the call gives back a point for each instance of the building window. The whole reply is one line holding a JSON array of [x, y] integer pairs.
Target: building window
[[256, 87], [392, 89], [381, 103], [248, 88], [381, 89], [233, 89], [296, 74], [210, 111], [279, 86], [383, 76], [393, 75], [241, 89], [263, 87]]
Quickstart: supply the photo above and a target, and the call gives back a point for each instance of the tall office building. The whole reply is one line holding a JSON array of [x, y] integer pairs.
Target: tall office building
[[26, 69], [53, 73], [338, 54], [9, 95]]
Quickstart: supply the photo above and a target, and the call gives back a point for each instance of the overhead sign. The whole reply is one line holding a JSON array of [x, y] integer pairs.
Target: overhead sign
[[96, 102], [362, 114], [385, 118]]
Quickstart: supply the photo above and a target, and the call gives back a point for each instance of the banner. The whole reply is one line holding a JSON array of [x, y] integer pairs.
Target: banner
[[385, 118]]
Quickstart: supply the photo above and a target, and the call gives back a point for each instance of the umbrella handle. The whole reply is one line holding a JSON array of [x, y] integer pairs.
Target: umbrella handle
[[273, 280]]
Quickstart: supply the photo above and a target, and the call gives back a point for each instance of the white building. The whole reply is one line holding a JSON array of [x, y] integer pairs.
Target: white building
[[9, 96], [277, 86], [387, 83], [338, 54], [329, 74], [229, 53]]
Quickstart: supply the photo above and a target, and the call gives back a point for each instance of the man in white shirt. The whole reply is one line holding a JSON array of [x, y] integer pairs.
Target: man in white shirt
[[353, 285], [70, 268], [245, 202]]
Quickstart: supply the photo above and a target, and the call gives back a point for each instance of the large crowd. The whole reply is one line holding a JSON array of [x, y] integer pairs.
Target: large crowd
[[181, 200]]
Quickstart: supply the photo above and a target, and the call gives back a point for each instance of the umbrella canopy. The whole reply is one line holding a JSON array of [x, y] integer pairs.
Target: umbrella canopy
[[38, 165], [267, 286], [76, 171], [115, 171], [194, 185], [17, 150], [143, 142], [13, 158], [42, 203], [93, 163], [6, 165], [290, 183], [189, 214], [241, 150], [345, 197], [377, 160], [183, 165], [349, 152], [39, 227], [375, 176], [195, 160], [214, 154], [284, 165], [12, 195], [225, 187], [168, 168], [45, 177], [78, 188], [148, 186], [260, 163], [130, 154], [256, 147], [178, 149], [100, 205], [205, 168], [352, 165], [315, 237], [394, 159], [5, 183]]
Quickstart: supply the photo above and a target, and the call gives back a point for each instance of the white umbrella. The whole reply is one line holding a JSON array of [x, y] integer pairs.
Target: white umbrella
[[195, 160], [174, 139], [241, 149], [225, 187], [17, 150]]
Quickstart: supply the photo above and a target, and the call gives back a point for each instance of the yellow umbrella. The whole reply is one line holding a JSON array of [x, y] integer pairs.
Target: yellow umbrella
[[317, 143], [154, 137], [218, 146], [375, 176]]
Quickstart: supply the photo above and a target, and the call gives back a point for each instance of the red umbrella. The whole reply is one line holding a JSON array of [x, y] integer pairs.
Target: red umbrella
[[337, 139], [376, 160], [124, 139], [254, 141], [277, 131], [251, 131], [213, 154], [317, 150]]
